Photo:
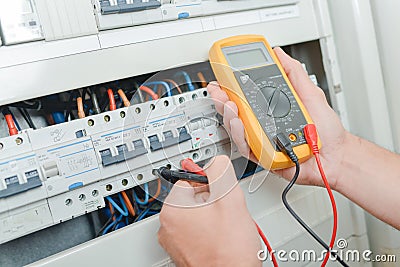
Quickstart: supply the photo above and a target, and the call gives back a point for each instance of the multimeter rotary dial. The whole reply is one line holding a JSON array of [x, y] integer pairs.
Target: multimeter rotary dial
[[277, 102]]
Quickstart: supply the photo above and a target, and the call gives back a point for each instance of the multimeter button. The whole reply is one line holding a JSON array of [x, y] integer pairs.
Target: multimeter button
[[292, 137]]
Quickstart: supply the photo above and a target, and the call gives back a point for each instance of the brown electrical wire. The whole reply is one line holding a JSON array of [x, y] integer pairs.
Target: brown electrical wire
[[202, 79], [149, 92], [125, 100], [79, 103], [157, 192], [111, 211], [128, 203], [174, 84], [159, 90]]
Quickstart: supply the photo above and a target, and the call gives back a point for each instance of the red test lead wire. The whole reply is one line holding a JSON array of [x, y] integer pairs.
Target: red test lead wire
[[311, 135], [269, 248], [190, 166]]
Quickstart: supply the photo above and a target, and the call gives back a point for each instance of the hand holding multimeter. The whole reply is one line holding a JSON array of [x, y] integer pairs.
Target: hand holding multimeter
[[276, 126], [248, 70]]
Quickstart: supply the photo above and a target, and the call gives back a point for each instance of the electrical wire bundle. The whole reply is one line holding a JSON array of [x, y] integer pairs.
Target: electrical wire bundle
[[146, 204], [83, 102], [11, 120], [132, 206], [125, 207]]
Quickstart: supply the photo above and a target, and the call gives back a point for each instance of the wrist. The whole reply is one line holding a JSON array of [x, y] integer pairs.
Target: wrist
[[348, 161]]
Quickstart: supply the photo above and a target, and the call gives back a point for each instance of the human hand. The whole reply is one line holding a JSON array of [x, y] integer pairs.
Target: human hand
[[214, 228], [332, 134]]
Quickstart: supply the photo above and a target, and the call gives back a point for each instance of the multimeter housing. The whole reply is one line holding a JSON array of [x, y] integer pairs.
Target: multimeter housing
[[248, 70]]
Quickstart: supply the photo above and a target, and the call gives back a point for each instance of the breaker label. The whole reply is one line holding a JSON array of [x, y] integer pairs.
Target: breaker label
[[91, 205], [76, 159]]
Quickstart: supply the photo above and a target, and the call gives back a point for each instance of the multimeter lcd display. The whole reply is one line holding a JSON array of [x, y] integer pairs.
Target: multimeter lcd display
[[247, 56]]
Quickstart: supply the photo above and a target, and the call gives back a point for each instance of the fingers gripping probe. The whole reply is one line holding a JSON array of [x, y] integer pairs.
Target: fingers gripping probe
[[174, 176]]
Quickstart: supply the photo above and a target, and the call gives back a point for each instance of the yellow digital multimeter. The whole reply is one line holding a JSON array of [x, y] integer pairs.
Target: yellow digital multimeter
[[248, 70]]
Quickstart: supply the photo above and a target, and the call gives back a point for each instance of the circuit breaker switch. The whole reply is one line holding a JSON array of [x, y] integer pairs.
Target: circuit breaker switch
[[123, 153], [195, 125], [154, 143], [183, 135], [168, 135], [15, 187], [139, 148], [50, 169], [170, 140], [138, 144], [122, 148], [10, 181], [107, 158], [207, 122]]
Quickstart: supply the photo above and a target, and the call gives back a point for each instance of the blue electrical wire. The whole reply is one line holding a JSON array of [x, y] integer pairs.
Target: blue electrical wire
[[166, 86], [187, 79], [146, 211], [115, 205], [143, 214], [58, 117], [146, 196], [111, 225], [118, 225]]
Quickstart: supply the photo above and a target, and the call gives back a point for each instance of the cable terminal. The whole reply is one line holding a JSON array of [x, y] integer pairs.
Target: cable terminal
[[311, 135], [285, 146]]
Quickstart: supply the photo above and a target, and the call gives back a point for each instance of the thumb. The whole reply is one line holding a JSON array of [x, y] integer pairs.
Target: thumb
[[181, 195], [221, 177]]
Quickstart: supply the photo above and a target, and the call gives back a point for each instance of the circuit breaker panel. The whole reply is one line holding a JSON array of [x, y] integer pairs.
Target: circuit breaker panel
[[115, 14], [79, 161], [53, 174]]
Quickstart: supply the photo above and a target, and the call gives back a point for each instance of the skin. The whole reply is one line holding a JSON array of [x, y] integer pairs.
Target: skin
[[200, 228], [360, 170]]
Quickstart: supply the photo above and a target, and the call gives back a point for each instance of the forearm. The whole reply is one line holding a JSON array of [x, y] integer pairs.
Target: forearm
[[370, 177]]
